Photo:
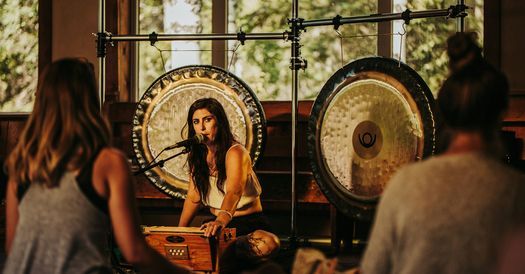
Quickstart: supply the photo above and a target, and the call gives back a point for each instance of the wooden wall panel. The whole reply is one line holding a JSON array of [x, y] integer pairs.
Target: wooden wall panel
[[516, 111], [512, 16], [73, 25], [3, 138], [11, 127], [515, 121]]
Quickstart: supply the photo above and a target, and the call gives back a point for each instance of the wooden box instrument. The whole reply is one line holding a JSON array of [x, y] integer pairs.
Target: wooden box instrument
[[188, 246]]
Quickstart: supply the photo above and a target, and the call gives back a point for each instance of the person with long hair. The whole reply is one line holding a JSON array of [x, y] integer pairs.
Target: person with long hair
[[222, 178], [450, 213], [67, 187]]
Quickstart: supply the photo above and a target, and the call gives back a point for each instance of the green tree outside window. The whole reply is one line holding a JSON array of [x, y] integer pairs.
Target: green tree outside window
[[264, 64], [18, 54]]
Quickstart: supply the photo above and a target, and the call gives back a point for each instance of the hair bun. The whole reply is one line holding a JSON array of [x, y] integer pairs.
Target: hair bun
[[462, 50]]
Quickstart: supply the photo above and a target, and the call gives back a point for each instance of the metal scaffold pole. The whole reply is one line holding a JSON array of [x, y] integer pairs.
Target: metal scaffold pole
[[101, 51]]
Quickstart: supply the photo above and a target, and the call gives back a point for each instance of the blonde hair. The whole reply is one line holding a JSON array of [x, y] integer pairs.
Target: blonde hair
[[65, 128]]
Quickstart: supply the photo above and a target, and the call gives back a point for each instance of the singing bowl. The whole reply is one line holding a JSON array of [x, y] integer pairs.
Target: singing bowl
[[371, 117], [160, 120]]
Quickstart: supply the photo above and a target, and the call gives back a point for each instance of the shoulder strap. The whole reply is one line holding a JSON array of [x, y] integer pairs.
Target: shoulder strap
[[21, 191], [85, 182]]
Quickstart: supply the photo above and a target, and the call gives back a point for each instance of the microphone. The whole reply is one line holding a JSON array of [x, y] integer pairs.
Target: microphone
[[197, 139]]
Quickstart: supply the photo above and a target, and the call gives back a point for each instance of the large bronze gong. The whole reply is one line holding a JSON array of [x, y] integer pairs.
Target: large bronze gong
[[371, 117], [160, 120]]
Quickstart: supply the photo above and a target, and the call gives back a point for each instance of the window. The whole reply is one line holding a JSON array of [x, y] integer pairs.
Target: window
[[264, 64], [18, 54], [423, 47], [171, 16]]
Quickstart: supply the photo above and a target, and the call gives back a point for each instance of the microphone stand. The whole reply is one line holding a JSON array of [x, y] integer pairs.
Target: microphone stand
[[160, 163]]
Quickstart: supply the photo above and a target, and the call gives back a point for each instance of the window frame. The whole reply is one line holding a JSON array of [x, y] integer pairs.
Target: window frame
[[491, 41], [219, 47], [45, 19]]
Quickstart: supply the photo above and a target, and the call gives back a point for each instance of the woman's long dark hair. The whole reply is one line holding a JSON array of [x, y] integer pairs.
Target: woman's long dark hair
[[199, 170]]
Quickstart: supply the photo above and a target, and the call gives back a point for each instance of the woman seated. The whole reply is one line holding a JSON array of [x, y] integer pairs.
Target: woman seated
[[222, 178]]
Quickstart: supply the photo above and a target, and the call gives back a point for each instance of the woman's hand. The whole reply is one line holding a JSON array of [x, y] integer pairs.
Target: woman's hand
[[212, 228]]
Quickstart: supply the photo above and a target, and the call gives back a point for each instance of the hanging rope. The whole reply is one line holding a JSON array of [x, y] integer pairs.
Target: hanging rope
[[341, 47], [234, 54], [342, 37], [161, 57]]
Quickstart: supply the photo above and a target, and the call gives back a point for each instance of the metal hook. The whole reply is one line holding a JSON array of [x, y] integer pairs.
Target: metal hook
[[401, 34], [341, 46]]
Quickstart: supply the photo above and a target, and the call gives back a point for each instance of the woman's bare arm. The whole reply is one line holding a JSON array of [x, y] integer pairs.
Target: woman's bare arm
[[191, 205], [11, 212], [238, 164], [112, 178]]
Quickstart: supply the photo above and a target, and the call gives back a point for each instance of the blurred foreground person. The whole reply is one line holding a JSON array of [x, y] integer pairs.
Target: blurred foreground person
[[67, 187], [450, 213]]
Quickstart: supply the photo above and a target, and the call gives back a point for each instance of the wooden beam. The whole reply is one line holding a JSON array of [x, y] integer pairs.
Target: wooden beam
[[492, 32], [124, 52], [219, 25], [45, 16], [384, 29]]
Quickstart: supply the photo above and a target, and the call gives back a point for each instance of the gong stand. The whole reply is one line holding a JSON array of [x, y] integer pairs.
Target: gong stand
[[297, 25]]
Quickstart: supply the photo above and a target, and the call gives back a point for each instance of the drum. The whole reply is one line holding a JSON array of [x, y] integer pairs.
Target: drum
[[371, 117], [160, 120]]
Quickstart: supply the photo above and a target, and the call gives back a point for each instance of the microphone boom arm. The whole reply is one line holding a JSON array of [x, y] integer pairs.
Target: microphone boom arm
[[160, 163]]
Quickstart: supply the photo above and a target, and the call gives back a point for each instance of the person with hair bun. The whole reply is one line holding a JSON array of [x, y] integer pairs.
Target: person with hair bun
[[67, 188], [450, 213], [463, 50]]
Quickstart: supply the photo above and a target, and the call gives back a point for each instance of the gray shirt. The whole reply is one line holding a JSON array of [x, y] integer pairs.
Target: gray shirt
[[445, 215], [59, 231]]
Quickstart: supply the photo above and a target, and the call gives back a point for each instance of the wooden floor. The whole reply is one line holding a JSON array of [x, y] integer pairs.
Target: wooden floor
[[347, 257]]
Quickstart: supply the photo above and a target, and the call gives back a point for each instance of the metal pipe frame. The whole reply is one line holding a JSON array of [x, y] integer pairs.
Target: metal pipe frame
[[296, 62], [193, 37], [461, 19], [407, 15], [101, 51]]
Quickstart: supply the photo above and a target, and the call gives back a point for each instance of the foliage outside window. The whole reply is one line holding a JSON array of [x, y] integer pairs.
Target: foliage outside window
[[171, 17], [264, 64], [425, 48], [18, 54]]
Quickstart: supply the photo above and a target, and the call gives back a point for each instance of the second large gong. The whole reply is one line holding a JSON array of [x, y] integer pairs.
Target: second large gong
[[370, 118]]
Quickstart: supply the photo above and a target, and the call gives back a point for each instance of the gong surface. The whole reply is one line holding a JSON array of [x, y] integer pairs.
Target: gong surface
[[371, 117], [160, 120]]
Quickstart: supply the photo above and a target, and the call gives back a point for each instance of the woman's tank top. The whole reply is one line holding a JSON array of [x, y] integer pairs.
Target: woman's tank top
[[60, 230], [252, 191]]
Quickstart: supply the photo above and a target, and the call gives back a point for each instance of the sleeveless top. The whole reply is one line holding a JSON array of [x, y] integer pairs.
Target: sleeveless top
[[252, 191], [61, 229]]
